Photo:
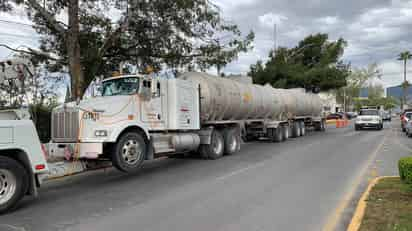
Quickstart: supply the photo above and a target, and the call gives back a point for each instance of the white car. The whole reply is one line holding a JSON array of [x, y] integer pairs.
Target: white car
[[369, 118]]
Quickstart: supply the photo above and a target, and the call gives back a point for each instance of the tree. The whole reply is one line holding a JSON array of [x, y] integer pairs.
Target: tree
[[356, 80], [156, 33], [404, 56], [314, 62]]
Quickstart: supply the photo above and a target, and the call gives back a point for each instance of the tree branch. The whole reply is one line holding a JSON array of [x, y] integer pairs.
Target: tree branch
[[51, 21], [106, 45], [30, 52]]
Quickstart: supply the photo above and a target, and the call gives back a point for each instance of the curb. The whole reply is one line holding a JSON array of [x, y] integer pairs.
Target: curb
[[357, 217]]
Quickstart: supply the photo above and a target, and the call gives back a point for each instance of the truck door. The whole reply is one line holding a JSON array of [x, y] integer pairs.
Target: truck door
[[152, 109]]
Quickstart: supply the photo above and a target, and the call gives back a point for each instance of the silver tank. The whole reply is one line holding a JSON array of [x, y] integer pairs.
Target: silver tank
[[228, 99]]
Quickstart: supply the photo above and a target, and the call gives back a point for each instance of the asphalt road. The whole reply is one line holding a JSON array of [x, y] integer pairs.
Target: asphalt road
[[308, 183]]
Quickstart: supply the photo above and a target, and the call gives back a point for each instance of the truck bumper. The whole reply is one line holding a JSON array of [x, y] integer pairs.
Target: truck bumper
[[74, 150]]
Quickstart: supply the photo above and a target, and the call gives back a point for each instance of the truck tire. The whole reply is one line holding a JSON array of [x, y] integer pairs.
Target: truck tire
[[295, 129], [129, 152], [232, 139], [318, 126], [285, 132], [276, 134], [323, 125], [14, 182], [215, 149], [302, 128]]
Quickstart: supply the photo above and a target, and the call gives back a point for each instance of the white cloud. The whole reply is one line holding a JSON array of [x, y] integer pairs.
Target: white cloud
[[328, 20], [269, 19]]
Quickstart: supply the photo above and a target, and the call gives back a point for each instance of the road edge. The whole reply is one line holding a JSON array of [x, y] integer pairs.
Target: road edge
[[357, 217]]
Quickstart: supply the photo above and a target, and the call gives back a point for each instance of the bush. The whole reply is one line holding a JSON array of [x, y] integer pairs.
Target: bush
[[41, 116], [405, 169]]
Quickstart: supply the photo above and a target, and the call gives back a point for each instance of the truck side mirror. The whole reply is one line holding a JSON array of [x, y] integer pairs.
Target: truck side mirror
[[146, 91]]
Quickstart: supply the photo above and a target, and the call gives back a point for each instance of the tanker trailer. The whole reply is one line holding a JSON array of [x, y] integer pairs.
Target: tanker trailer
[[260, 111]]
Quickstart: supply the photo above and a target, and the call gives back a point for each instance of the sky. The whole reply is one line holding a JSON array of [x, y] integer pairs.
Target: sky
[[376, 30]]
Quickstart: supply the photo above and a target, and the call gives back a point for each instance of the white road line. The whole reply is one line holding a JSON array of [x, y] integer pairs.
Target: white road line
[[239, 171]]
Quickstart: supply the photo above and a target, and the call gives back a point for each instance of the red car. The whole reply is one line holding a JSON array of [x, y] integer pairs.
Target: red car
[[405, 116], [335, 116]]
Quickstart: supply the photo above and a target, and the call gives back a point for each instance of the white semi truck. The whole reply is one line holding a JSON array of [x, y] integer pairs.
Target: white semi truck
[[137, 118]]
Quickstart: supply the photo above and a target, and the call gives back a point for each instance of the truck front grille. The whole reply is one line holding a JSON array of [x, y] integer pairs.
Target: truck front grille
[[65, 125]]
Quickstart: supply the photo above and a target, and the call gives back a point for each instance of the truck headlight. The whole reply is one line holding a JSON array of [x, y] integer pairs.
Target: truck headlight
[[100, 133]]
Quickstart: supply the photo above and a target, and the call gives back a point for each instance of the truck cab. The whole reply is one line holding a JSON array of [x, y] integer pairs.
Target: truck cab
[[134, 112]]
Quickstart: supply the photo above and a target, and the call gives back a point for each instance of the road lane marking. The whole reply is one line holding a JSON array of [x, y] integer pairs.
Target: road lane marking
[[335, 217], [239, 171], [12, 227]]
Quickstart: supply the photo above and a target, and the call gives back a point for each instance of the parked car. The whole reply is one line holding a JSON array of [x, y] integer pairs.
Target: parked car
[[408, 127], [386, 116], [335, 116], [350, 115], [405, 117]]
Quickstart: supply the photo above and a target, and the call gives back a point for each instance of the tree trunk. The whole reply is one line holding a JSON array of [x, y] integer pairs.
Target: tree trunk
[[73, 51]]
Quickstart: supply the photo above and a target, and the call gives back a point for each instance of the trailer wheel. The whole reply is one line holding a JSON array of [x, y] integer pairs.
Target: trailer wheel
[[215, 149], [295, 129], [285, 132], [232, 140], [318, 126], [302, 128], [14, 182], [130, 152], [276, 134]]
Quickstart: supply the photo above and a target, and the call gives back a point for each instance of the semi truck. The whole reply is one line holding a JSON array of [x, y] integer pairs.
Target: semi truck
[[134, 118]]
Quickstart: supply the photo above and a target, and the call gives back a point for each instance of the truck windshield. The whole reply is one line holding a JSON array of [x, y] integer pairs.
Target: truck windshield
[[369, 112], [120, 86]]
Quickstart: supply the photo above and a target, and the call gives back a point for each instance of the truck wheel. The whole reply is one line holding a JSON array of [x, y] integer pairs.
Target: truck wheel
[[318, 126], [285, 132], [14, 182], [277, 134], [232, 140], [295, 129], [130, 152], [322, 126], [302, 128], [215, 149]]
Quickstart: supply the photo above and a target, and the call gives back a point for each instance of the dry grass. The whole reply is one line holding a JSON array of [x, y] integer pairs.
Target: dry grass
[[389, 207]]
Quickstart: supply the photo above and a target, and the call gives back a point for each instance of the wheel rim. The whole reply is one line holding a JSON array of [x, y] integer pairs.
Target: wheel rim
[[217, 145], [7, 185], [131, 152], [286, 132], [233, 144]]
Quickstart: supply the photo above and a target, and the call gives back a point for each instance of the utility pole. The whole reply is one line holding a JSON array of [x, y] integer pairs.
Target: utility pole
[[275, 38]]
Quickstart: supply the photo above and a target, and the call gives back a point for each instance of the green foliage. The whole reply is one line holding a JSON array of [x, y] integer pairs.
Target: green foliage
[[405, 169], [157, 33], [314, 62], [357, 80], [405, 56], [41, 116]]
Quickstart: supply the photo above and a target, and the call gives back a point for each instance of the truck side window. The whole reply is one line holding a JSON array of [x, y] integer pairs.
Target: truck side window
[[146, 83]]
